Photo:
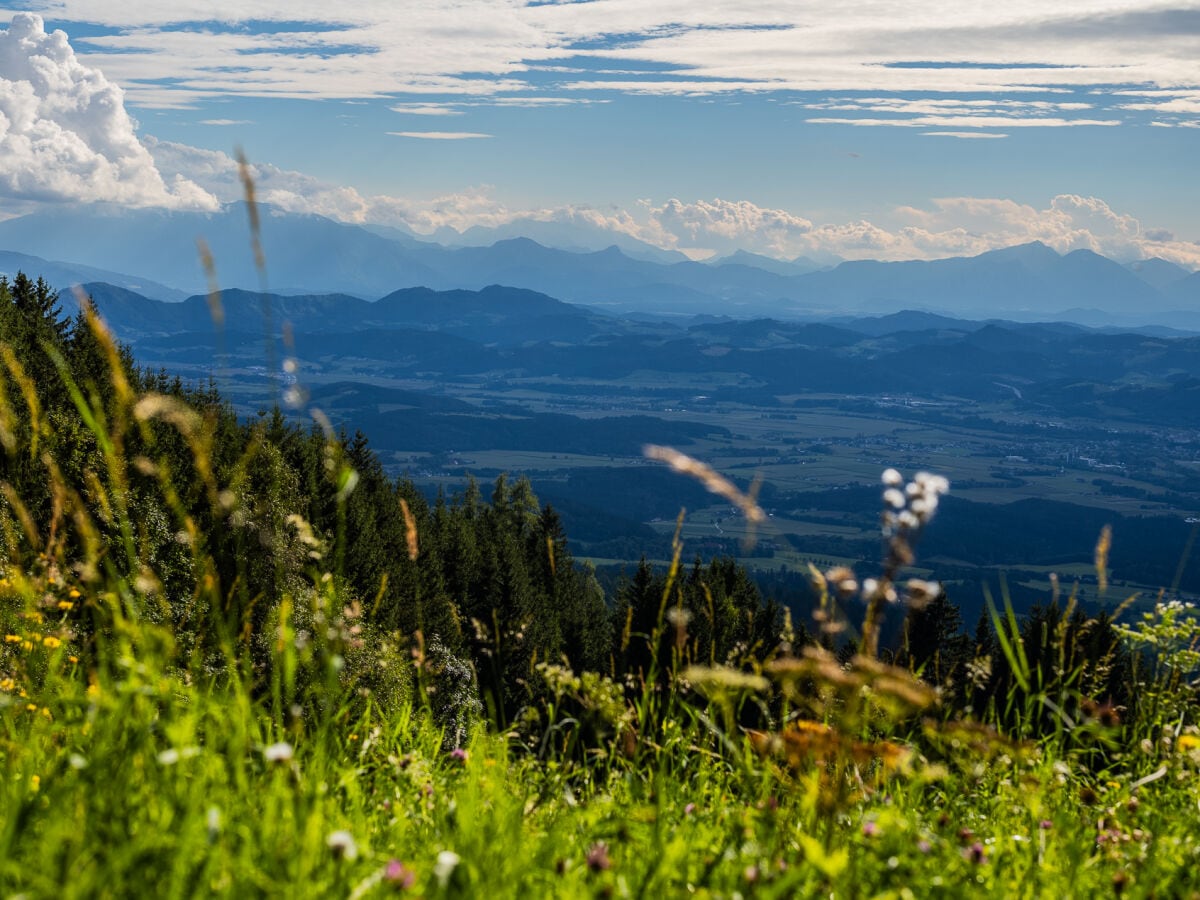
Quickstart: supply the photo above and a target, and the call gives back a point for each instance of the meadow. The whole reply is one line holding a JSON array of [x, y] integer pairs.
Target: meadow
[[206, 689]]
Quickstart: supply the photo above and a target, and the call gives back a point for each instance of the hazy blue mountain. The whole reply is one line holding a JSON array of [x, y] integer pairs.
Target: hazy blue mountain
[[1186, 292], [1031, 280], [64, 276], [798, 266], [576, 237], [495, 314], [313, 255], [303, 252], [1158, 272]]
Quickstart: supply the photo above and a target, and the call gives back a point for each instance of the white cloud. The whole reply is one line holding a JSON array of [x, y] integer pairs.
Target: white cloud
[[426, 109], [724, 226], [966, 122], [965, 134], [485, 48], [952, 226], [226, 122], [65, 133], [440, 135]]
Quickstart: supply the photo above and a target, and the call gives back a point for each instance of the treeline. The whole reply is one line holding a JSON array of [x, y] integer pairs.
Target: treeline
[[115, 474], [179, 494]]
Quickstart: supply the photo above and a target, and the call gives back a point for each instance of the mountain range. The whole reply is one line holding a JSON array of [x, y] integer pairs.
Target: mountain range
[[308, 254]]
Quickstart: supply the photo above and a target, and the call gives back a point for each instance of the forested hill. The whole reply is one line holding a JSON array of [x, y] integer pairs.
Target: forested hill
[[181, 492]]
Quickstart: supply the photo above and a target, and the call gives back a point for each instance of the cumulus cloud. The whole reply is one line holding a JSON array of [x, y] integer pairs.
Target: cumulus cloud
[[724, 226], [951, 226], [972, 225], [65, 133]]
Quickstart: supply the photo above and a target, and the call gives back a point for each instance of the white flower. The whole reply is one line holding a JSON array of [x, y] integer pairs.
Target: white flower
[[892, 478], [447, 862], [342, 844], [894, 498], [280, 752]]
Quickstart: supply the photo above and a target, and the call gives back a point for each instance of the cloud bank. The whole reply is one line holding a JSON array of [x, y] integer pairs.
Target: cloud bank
[[65, 133], [953, 226], [179, 52]]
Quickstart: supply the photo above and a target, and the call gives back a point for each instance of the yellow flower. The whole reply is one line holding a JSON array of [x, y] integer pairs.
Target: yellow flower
[[7, 684], [31, 707], [36, 783], [65, 605], [73, 594], [72, 659], [26, 646], [12, 639], [46, 712], [51, 642], [1188, 742]]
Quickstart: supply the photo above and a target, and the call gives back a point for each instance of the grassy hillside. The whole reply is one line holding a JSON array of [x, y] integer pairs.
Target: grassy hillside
[[238, 660]]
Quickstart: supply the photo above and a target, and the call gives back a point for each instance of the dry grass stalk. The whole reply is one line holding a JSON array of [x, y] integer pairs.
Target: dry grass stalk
[[706, 475]]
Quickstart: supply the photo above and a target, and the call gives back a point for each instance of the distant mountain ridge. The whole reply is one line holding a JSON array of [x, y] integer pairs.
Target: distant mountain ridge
[[308, 254]]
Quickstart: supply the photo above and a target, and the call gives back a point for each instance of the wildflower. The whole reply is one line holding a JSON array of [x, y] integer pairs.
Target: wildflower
[[689, 809], [212, 822], [870, 829], [751, 874], [1045, 824], [892, 478], [975, 853], [66, 605], [923, 846], [168, 757], [343, 846], [459, 755], [443, 868], [280, 752], [843, 581], [1187, 743], [399, 875], [35, 783], [72, 659], [7, 685], [12, 639], [51, 642], [597, 857], [73, 594]]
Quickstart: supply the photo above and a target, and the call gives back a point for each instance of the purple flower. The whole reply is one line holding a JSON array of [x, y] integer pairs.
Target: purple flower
[[459, 755], [1045, 824], [975, 853], [689, 809], [597, 857], [399, 875], [870, 829], [924, 846]]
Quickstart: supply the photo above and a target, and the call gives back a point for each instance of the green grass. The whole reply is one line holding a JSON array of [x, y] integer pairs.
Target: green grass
[[131, 781], [256, 762]]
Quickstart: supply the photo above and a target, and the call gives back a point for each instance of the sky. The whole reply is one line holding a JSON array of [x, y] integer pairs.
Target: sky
[[868, 129]]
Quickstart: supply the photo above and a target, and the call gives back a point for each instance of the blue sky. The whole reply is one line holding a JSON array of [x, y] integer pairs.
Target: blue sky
[[879, 129]]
